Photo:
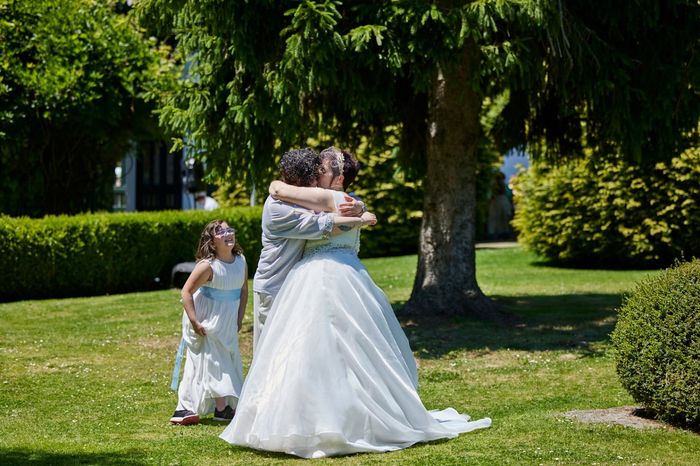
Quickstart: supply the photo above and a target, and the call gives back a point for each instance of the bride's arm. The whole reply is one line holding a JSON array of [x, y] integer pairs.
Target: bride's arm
[[317, 199], [343, 224]]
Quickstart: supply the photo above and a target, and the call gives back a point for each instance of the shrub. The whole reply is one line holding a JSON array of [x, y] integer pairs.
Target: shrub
[[657, 344], [59, 256], [613, 212]]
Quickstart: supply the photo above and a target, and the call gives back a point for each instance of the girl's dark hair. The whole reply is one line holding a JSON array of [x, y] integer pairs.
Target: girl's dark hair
[[205, 249], [299, 167]]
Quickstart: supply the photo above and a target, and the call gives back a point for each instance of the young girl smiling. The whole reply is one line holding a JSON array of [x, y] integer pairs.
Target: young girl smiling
[[214, 297]]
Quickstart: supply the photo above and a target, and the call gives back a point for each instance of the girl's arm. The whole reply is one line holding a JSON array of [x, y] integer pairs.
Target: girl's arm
[[200, 275], [243, 301], [317, 199]]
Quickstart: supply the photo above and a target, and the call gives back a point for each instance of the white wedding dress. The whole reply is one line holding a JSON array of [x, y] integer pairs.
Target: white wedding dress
[[333, 372]]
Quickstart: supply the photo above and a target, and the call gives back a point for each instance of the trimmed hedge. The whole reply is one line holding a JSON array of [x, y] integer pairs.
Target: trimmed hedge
[[59, 256], [657, 344], [611, 213], [90, 254]]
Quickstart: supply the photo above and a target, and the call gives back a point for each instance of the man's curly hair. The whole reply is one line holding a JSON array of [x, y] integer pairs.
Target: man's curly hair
[[299, 167]]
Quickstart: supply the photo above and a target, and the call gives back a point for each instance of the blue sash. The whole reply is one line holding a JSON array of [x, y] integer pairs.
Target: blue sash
[[176, 370], [220, 295]]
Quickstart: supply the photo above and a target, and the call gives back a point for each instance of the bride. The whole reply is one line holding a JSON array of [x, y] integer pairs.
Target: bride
[[333, 372]]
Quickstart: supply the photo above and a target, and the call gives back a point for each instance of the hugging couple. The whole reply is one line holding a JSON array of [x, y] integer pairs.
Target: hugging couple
[[332, 370]]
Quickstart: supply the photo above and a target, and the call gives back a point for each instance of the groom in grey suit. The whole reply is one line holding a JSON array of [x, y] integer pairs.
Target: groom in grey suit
[[286, 227]]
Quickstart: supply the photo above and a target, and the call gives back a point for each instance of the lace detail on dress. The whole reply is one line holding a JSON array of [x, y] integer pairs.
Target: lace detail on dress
[[327, 227], [329, 247], [346, 241]]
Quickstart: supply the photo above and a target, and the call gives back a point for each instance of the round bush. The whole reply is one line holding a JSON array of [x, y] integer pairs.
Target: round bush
[[611, 213], [657, 344]]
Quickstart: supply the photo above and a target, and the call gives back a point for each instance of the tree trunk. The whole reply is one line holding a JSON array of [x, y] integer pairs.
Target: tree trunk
[[446, 276]]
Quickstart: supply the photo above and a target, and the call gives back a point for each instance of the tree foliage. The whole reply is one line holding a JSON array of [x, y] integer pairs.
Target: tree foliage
[[71, 75], [610, 77]]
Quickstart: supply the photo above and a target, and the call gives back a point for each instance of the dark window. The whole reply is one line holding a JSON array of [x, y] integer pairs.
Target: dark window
[[158, 178]]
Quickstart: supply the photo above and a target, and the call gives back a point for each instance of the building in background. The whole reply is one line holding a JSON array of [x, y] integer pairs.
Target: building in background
[[150, 177]]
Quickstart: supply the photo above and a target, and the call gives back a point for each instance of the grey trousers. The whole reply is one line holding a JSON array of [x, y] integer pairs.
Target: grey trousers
[[262, 303]]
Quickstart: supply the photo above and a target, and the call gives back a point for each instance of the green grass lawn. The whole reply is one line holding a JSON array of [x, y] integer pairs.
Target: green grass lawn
[[85, 380]]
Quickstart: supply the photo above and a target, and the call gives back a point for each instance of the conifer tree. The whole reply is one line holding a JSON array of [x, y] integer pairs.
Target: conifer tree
[[555, 76]]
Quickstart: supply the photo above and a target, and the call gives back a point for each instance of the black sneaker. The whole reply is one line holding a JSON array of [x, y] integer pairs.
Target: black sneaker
[[184, 417], [225, 415]]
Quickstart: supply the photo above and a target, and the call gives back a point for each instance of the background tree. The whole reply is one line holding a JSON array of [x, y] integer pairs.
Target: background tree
[[70, 78], [551, 76]]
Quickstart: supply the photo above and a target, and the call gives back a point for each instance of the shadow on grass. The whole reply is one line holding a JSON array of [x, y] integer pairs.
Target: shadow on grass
[[600, 265], [287, 458], [25, 456], [545, 323]]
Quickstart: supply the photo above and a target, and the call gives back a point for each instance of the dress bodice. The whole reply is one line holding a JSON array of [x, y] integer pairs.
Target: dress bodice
[[227, 275], [349, 240]]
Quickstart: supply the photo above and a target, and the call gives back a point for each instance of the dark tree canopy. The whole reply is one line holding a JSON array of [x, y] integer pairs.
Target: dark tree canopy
[[555, 77], [598, 75]]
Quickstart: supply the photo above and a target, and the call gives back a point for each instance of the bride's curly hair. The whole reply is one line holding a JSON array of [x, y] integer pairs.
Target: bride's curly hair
[[299, 167]]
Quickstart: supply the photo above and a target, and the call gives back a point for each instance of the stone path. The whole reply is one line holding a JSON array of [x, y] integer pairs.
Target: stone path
[[497, 245], [621, 415]]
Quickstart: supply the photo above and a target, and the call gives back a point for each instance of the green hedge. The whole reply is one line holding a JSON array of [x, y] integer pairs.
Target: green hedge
[[657, 344], [611, 213], [59, 256], [89, 254]]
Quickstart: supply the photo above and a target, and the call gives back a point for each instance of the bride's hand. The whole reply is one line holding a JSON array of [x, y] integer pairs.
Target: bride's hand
[[368, 218], [351, 207]]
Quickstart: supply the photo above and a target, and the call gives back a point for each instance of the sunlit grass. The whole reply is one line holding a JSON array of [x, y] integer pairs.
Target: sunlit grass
[[85, 380]]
